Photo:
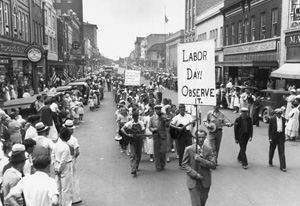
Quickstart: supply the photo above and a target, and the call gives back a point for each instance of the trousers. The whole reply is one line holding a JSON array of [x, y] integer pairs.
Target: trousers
[[136, 154], [160, 148], [184, 140], [64, 184], [278, 141], [199, 195]]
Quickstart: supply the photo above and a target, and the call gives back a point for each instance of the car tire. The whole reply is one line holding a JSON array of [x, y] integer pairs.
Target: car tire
[[266, 116]]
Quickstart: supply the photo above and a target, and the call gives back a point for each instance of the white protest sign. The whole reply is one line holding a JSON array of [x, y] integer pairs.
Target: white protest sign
[[196, 73], [132, 77], [121, 70]]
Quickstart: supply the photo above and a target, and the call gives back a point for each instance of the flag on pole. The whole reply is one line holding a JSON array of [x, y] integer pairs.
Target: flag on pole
[[53, 78], [66, 75], [166, 19]]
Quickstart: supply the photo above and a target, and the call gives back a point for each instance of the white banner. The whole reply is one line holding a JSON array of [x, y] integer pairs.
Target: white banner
[[121, 70], [132, 77], [196, 73]]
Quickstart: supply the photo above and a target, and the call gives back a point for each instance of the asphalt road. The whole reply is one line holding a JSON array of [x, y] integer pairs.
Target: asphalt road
[[105, 177]]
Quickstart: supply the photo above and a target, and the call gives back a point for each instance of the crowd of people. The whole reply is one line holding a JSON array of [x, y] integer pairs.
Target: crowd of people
[[149, 123]]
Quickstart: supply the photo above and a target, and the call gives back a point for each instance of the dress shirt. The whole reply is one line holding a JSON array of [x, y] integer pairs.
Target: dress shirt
[[279, 124], [31, 132], [61, 155], [217, 118], [38, 189]]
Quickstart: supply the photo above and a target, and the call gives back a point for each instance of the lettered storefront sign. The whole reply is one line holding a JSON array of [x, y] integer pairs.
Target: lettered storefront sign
[[196, 73]]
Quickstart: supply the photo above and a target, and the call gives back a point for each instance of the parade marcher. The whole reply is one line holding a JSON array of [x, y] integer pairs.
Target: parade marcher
[[39, 188], [182, 123], [159, 91], [14, 128], [167, 111], [214, 121], [243, 131], [13, 175], [122, 119], [61, 156], [197, 161], [159, 133], [136, 143], [277, 138], [74, 148], [148, 143], [29, 146]]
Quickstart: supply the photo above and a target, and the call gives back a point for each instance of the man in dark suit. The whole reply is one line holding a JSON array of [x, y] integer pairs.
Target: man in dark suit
[[243, 131], [197, 166], [277, 138]]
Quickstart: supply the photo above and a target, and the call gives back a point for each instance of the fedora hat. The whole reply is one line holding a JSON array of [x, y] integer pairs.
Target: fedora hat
[[17, 157], [69, 124], [40, 127]]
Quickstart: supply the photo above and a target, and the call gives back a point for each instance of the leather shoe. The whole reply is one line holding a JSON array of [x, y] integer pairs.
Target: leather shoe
[[245, 167], [270, 164], [283, 169], [158, 169]]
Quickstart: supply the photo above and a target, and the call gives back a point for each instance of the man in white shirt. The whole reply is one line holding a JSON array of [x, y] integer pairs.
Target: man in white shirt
[[31, 130], [182, 123], [39, 188], [61, 156]]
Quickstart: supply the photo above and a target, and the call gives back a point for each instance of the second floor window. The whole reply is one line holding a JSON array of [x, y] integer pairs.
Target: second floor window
[[6, 21], [252, 29], [232, 34], [240, 26], [221, 36], [246, 35], [274, 22], [226, 36], [262, 25]]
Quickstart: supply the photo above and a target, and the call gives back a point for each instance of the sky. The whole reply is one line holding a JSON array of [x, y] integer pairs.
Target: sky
[[121, 21]]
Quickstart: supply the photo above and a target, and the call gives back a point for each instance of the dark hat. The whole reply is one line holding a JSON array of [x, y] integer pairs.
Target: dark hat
[[40, 127], [17, 157]]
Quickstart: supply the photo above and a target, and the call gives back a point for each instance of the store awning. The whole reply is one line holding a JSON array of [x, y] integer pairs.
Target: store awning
[[287, 71]]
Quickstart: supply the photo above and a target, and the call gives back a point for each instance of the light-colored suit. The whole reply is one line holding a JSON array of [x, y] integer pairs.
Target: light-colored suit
[[198, 188]]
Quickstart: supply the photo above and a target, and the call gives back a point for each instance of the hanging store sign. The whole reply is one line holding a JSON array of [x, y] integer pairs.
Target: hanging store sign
[[251, 48], [196, 73]]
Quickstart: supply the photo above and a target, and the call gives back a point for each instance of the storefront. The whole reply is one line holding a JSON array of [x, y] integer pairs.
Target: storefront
[[250, 62], [15, 69]]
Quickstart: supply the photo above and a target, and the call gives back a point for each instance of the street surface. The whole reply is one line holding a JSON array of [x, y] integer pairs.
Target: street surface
[[105, 177]]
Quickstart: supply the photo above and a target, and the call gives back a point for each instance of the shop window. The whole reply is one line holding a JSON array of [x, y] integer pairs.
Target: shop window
[[263, 25], [274, 22], [240, 29], [1, 19], [246, 35], [252, 29], [232, 34]]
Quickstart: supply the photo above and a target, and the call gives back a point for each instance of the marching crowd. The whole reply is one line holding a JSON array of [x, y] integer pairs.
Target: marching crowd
[[149, 123]]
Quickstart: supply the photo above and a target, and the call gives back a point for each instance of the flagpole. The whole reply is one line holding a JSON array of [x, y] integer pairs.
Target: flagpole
[[165, 63]]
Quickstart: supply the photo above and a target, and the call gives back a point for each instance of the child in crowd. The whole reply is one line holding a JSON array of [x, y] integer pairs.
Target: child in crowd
[[91, 102], [80, 110]]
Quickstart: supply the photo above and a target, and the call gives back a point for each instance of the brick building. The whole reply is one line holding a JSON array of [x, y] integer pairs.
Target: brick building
[[172, 42], [251, 40]]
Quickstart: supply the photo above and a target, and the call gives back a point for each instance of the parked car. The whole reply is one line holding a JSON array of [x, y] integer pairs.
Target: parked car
[[25, 106], [271, 99], [63, 88], [84, 89], [251, 89]]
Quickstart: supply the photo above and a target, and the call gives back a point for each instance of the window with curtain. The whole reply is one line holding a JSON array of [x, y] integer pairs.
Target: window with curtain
[[246, 35], [226, 36], [232, 34], [253, 38], [240, 30], [6, 21]]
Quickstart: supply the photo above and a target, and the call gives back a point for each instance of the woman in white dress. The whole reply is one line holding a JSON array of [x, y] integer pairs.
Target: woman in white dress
[[148, 143], [292, 126], [289, 100]]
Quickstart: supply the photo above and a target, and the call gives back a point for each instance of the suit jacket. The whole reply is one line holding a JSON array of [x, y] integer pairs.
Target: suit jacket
[[193, 167], [238, 127], [273, 127], [46, 115], [160, 124]]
